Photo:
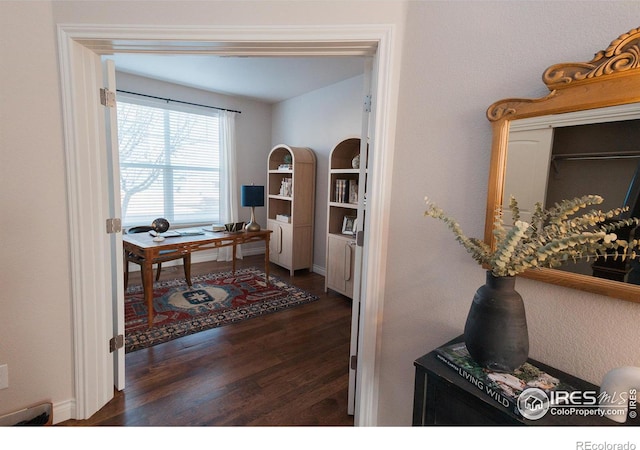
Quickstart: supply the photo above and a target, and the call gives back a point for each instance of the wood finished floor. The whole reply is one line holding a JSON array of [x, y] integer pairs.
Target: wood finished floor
[[283, 369]]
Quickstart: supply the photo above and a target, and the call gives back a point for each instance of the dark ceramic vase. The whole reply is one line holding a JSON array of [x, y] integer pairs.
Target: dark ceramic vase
[[496, 329]]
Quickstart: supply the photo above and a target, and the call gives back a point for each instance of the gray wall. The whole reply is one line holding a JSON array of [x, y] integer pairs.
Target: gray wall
[[320, 120], [458, 58]]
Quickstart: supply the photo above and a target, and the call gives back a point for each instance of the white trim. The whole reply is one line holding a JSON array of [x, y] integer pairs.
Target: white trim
[[88, 206], [598, 115], [320, 40], [63, 410], [345, 40], [377, 222]]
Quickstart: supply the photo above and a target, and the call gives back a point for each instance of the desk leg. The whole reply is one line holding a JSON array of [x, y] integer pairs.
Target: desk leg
[[266, 257], [187, 268], [147, 287], [233, 258]]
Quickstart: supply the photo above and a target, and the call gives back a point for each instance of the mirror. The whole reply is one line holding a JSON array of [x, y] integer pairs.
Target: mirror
[[582, 138]]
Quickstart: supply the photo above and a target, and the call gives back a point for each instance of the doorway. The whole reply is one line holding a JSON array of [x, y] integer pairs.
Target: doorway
[[80, 51]]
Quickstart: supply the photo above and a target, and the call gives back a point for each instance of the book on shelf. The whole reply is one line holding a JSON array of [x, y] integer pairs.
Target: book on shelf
[[286, 186], [502, 387], [341, 191], [285, 167], [283, 218]]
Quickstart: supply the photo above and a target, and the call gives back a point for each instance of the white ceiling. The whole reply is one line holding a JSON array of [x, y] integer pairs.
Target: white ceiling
[[268, 79]]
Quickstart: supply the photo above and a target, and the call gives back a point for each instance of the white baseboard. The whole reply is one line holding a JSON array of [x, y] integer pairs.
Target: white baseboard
[[64, 410]]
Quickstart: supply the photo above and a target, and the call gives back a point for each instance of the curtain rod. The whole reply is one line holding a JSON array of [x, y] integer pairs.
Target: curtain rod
[[178, 101]]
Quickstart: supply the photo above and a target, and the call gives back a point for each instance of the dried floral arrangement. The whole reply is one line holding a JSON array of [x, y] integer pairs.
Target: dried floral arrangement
[[553, 237]]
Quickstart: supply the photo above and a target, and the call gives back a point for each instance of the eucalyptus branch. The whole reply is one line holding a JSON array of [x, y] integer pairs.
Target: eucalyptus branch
[[479, 252], [554, 236], [515, 210]]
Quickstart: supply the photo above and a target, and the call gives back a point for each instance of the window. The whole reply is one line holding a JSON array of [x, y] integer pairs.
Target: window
[[169, 162]]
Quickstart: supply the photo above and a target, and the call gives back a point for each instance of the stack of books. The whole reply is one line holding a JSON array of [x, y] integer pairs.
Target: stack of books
[[286, 186], [346, 191], [341, 192]]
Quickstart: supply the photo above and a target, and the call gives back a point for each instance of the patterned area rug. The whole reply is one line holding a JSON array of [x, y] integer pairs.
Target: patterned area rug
[[214, 300]]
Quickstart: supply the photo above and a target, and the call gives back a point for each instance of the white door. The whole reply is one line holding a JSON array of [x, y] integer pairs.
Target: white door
[[360, 230], [527, 170], [117, 261], [90, 202]]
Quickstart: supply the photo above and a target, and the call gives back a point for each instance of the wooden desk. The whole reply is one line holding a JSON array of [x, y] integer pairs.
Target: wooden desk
[[143, 245]]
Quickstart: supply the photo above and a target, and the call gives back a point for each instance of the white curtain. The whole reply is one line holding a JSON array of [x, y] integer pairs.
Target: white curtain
[[228, 177]]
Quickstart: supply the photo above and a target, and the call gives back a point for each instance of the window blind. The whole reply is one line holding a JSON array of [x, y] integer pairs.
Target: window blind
[[169, 162]]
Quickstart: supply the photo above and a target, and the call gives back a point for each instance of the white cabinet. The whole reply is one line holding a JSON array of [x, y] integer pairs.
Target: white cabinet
[[340, 264], [347, 180], [281, 243], [291, 181]]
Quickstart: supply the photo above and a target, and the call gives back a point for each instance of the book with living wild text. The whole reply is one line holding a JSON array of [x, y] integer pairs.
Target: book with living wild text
[[502, 387]]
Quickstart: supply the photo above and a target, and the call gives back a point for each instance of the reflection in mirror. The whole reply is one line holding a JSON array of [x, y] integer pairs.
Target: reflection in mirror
[[560, 157], [582, 138], [601, 159]]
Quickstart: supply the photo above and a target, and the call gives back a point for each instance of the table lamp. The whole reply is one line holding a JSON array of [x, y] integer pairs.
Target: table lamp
[[252, 196]]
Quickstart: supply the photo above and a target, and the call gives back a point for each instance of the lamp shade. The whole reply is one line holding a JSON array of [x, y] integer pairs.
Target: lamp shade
[[252, 195]]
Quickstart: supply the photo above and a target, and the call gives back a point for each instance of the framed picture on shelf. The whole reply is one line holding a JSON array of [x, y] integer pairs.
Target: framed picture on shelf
[[353, 191], [349, 225]]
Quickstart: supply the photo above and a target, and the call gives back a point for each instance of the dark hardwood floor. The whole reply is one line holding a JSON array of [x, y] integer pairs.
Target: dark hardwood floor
[[289, 368]]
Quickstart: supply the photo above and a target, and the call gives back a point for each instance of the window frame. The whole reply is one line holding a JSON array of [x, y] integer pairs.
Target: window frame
[[169, 191]]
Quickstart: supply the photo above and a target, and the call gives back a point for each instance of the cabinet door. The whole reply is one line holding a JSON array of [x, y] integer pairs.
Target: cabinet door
[[275, 243], [286, 245], [280, 244], [340, 263]]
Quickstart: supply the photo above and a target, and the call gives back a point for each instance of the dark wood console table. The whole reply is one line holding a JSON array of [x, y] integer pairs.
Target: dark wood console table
[[443, 397]]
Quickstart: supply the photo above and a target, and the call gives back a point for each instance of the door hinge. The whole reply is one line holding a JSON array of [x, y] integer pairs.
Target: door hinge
[[360, 238], [114, 225], [116, 343], [353, 364], [107, 98], [367, 103]]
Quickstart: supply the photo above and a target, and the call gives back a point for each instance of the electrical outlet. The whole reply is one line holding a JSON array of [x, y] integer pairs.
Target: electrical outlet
[[4, 376]]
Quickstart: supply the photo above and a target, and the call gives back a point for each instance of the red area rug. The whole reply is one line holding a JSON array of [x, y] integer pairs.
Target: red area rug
[[214, 300]]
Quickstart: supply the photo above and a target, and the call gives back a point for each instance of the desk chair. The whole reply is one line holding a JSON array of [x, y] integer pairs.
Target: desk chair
[[168, 255]]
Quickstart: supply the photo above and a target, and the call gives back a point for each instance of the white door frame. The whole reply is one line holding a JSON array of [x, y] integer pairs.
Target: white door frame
[[90, 255]]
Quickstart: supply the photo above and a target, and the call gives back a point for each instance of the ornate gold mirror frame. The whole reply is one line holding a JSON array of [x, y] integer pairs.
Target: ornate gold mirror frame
[[611, 78]]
